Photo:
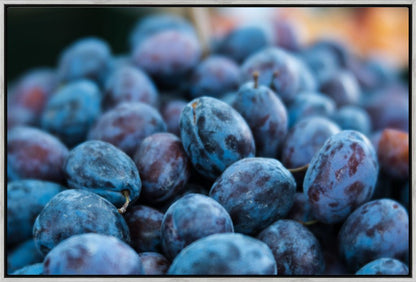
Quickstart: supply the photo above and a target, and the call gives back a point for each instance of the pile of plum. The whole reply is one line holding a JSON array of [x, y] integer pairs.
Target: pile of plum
[[254, 155]]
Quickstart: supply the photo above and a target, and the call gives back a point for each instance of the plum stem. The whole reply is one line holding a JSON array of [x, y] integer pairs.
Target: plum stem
[[310, 222], [256, 79], [126, 195], [274, 76], [299, 169]]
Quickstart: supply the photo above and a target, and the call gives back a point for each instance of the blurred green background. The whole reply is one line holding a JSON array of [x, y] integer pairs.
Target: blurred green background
[[35, 36]]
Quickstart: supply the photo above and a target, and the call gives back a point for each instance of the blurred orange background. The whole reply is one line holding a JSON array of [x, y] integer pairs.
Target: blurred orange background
[[367, 31]]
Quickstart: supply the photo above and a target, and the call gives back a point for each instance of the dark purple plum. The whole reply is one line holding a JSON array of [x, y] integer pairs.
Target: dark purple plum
[[287, 35], [214, 136], [342, 87], [256, 192], [384, 266], [269, 62], [72, 110], [90, 254], [295, 248], [126, 125], [168, 56], [309, 104], [25, 200], [155, 23], [304, 139], [154, 263], [341, 176], [34, 153], [266, 116], [129, 84], [33, 269], [164, 167], [190, 218], [23, 255], [28, 96], [225, 254], [389, 108], [99, 167], [243, 41], [377, 229], [353, 117], [144, 225], [88, 57], [171, 113], [73, 212], [214, 76]]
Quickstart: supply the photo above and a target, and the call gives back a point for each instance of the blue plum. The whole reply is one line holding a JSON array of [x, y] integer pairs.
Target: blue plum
[[377, 229], [214, 136], [154, 263], [92, 253], [71, 111], [171, 113], [144, 224], [25, 200], [23, 255], [190, 218], [373, 73], [34, 153], [193, 186], [341, 176], [305, 138], [307, 81], [225, 254], [168, 56], [28, 96], [256, 192], [384, 266], [389, 108], [342, 87], [353, 117], [308, 104], [126, 125], [163, 165], [266, 116], [324, 58], [243, 41], [73, 212], [287, 35], [33, 269], [269, 62], [129, 84], [295, 248], [155, 23], [214, 76], [301, 210], [88, 57], [99, 167]]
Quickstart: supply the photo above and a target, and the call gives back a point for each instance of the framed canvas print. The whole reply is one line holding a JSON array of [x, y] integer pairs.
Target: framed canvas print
[[207, 140]]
